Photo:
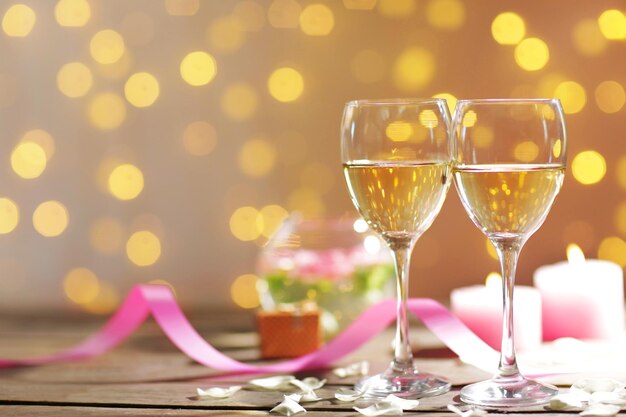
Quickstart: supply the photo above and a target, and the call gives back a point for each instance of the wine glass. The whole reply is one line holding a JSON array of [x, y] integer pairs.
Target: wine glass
[[397, 164], [509, 162]]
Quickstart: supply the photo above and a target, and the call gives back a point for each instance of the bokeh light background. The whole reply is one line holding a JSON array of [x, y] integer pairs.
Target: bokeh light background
[[164, 140]]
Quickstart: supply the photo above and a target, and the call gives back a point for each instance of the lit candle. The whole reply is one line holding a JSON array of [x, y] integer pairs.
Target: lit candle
[[479, 307], [581, 298]]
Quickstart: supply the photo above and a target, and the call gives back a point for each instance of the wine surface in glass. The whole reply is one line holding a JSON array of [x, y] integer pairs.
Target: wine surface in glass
[[508, 200], [398, 199]]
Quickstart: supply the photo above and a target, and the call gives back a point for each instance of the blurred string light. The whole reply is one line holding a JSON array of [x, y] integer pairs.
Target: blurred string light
[[117, 70], [239, 101], [257, 157], [106, 111], [105, 302], [107, 46], [526, 151], [399, 131], [106, 235], [482, 136], [226, 34], [81, 285], [613, 249], [141, 89], [588, 38], [285, 84], [41, 138], [182, 7], [198, 68], [445, 14], [246, 224], [610, 96], [272, 217], [508, 28], [368, 66], [50, 218], [143, 248], [450, 99], [413, 69], [532, 54], [572, 95], [9, 215], [28, 160], [243, 291], [317, 20], [491, 250], [396, 9], [126, 182], [284, 14], [428, 119], [72, 13], [74, 79], [199, 138], [588, 167], [18, 21], [613, 24], [251, 15]]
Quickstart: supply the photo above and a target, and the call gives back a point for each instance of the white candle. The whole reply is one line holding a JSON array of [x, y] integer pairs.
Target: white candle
[[581, 298], [479, 307]]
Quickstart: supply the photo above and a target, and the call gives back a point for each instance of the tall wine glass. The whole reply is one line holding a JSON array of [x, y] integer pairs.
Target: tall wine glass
[[509, 163], [396, 162]]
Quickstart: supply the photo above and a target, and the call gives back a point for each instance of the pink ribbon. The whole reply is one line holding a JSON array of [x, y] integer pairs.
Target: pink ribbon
[[160, 302]]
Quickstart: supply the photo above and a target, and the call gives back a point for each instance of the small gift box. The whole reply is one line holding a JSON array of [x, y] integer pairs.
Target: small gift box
[[289, 332]]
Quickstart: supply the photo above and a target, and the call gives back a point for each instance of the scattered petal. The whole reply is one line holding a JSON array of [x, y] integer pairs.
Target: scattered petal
[[600, 410], [382, 408], [401, 402], [470, 412], [217, 392], [308, 384], [348, 395], [592, 385], [356, 369], [295, 397], [288, 407], [273, 383], [615, 398], [568, 401], [310, 396]]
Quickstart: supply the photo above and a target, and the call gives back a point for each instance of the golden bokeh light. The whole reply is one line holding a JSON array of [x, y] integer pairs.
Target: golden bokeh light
[[620, 218], [285, 84], [557, 148], [396, 8], [359, 4], [445, 14], [226, 34], [399, 131], [72, 13], [41, 138], [50, 218], [239, 101], [572, 95], [508, 28], [548, 83], [588, 167], [588, 38], [28, 160], [469, 119], [143, 248], [74, 79], [246, 223], [107, 46], [256, 157], [198, 68], [106, 111], [532, 54], [450, 100], [284, 14], [317, 176], [491, 250], [613, 249], [428, 119], [243, 291], [9, 215], [106, 235], [126, 182], [413, 69], [105, 302], [117, 70], [307, 201], [141, 89], [199, 138], [610, 96], [482, 136], [526, 151], [613, 24], [621, 172], [18, 20], [368, 66], [272, 216], [251, 15], [182, 7], [81, 285], [317, 20]]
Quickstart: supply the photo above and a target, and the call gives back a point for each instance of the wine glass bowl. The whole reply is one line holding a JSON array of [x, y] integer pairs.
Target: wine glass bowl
[[509, 163], [396, 162]]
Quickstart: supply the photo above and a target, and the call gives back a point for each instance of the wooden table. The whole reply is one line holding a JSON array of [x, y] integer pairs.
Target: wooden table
[[148, 376]]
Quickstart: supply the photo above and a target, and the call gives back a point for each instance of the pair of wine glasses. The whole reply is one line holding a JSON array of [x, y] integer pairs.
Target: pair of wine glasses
[[507, 158]]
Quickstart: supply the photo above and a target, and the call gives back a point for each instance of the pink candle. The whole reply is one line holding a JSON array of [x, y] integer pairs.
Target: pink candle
[[479, 307], [581, 298]]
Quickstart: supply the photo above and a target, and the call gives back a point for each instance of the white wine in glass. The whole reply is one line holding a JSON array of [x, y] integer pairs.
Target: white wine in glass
[[396, 162], [507, 185]]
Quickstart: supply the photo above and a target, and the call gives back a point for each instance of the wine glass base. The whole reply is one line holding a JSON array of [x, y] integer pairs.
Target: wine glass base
[[403, 384], [508, 392]]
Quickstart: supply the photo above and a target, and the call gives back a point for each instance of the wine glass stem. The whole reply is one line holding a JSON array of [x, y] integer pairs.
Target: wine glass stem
[[403, 357], [508, 252]]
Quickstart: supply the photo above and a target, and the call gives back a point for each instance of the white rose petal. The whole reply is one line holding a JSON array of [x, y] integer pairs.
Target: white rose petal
[[356, 369], [615, 398], [288, 407], [600, 410], [471, 412], [308, 384], [310, 396], [218, 392], [273, 383], [348, 395], [592, 385], [295, 397], [566, 402], [401, 402], [382, 408]]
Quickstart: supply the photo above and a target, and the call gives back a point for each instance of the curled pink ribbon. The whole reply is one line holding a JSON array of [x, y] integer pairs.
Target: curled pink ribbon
[[160, 302]]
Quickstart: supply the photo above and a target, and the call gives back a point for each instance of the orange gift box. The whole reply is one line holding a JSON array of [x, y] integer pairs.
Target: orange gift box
[[288, 334]]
